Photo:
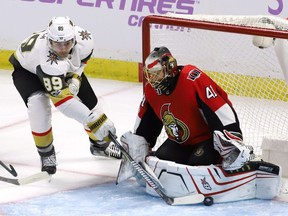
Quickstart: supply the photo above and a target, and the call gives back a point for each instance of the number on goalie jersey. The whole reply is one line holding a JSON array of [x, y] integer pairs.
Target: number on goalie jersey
[[49, 65], [190, 105]]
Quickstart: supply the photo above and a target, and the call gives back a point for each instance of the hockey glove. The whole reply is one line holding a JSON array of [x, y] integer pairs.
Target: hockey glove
[[138, 148], [233, 151], [99, 126], [73, 81]]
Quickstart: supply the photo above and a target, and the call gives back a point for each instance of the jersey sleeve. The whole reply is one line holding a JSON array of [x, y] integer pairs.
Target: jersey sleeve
[[217, 109], [85, 47], [83, 36], [147, 124]]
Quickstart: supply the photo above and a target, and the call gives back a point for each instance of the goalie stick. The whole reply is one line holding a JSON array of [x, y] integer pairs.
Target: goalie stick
[[155, 183], [27, 180]]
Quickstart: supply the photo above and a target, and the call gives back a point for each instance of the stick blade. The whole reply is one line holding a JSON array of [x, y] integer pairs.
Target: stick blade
[[33, 178], [188, 200]]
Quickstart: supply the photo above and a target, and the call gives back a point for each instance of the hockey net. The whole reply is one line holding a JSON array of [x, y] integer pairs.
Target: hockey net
[[222, 47]]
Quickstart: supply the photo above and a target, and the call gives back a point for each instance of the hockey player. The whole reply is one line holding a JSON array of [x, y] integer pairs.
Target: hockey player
[[203, 132], [48, 66], [199, 119]]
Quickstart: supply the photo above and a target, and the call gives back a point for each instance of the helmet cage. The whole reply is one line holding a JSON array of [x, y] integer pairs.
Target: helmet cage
[[155, 77], [160, 68]]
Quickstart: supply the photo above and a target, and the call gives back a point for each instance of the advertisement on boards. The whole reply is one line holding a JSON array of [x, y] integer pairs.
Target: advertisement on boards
[[115, 24]]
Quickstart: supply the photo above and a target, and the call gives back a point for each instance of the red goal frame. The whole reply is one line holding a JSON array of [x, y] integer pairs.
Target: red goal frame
[[164, 20], [150, 22]]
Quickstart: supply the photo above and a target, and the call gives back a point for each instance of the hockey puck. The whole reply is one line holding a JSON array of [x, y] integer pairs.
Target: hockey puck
[[208, 201]]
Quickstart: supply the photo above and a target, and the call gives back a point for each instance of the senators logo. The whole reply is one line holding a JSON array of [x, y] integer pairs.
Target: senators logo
[[175, 128], [194, 74]]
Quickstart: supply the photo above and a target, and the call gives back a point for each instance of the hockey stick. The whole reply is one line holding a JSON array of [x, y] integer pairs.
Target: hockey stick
[[11, 170], [155, 183], [27, 180]]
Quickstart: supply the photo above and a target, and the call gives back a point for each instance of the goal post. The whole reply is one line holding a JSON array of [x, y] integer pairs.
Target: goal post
[[222, 46]]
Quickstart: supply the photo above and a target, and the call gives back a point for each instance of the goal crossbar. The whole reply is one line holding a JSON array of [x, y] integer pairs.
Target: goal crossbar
[[196, 22]]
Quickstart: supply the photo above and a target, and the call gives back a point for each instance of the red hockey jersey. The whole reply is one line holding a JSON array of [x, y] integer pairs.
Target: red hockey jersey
[[195, 108]]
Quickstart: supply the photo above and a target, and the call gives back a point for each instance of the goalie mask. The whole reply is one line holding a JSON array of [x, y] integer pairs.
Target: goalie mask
[[160, 70], [61, 36]]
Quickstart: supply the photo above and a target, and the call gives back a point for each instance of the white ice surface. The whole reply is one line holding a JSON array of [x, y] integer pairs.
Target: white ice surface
[[85, 184]]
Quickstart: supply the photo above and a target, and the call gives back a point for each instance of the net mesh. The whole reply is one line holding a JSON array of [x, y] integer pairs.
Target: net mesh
[[251, 76]]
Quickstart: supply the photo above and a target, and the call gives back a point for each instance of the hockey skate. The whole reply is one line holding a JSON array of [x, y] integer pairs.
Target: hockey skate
[[48, 162], [109, 150]]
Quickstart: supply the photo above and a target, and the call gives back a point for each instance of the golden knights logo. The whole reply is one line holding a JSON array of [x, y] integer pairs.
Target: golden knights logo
[[85, 35], [52, 57], [175, 128]]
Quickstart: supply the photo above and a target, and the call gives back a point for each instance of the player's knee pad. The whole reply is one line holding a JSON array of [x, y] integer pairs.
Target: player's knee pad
[[39, 112]]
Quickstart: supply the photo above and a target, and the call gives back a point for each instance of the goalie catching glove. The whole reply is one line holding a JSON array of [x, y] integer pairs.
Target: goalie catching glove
[[233, 151], [98, 127], [73, 81], [138, 149]]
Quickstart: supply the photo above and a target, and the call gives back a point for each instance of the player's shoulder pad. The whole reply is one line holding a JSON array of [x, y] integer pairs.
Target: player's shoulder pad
[[193, 73], [84, 39]]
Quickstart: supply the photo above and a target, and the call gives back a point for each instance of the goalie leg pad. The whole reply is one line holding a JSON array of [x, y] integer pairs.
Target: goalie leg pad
[[138, 148], [260, 180]]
